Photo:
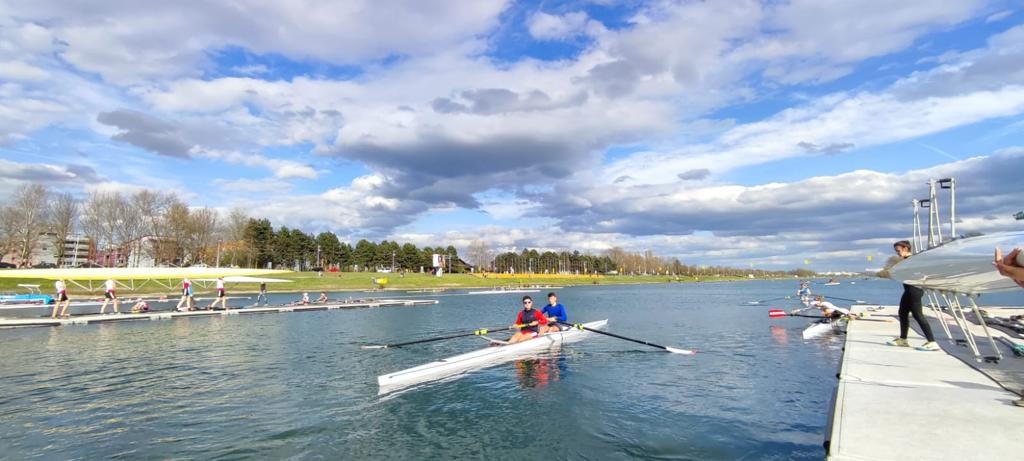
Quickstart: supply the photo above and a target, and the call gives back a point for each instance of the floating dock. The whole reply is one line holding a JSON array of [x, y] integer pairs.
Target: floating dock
[[163, 315], [898, 403]]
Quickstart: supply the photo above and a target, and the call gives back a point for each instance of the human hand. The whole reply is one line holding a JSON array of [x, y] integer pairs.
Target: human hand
[[1009, 267]]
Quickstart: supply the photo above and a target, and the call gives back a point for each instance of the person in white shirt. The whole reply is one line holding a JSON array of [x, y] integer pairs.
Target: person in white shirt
[[223, 300], [62, 297], [108, 295]]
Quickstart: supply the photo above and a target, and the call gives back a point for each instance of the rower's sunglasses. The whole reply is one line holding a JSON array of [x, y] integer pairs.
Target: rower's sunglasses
[[527, 302]]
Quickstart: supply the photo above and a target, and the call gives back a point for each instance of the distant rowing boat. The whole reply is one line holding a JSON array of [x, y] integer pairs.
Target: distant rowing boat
[[482, 358], [503, 291]]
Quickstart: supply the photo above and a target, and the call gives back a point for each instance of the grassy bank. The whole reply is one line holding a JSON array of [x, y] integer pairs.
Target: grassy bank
[[310, 281]]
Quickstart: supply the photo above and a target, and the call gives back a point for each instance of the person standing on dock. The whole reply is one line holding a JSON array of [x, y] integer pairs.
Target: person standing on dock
[[221, 298], [62, 297], [910, 303], [262, 297], [186, 294], [554, 312], [109, 295]]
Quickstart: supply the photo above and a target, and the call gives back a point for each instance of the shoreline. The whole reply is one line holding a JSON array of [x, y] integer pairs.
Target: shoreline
[[365, 282]]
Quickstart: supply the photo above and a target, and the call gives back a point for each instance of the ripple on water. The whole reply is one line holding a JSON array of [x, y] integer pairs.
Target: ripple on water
[[298, 385]]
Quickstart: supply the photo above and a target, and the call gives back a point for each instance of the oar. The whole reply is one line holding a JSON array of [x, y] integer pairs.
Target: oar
[[775, 313], [664, 348], [477, 332], [848, 299], [766, 300]]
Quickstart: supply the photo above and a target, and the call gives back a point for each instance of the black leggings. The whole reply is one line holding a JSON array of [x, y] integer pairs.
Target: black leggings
[[910, 303]]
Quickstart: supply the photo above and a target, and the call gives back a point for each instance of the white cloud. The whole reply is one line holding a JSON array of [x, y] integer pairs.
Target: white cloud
[[129, 42], [15, 70], [283, 169], [545, 26]]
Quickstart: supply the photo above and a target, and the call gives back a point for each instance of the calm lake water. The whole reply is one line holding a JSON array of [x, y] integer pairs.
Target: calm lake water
[[298, 385]]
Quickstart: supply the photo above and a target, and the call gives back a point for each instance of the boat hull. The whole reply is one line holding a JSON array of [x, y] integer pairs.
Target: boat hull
[[962, 266], [480, 359]]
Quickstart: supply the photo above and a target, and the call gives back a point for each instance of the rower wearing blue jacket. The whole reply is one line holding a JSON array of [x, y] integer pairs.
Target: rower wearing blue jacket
[[554, 312]]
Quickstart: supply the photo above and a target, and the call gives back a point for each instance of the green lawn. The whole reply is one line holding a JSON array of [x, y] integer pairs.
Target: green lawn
[[309, 281]]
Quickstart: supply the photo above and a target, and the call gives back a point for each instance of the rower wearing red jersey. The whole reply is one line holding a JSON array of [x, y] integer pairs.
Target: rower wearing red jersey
[[530, 322]]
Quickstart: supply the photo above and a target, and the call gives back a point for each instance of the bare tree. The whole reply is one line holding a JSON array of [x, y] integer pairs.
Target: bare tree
[[28, 213], [479, 254], [99, 217], [176, 237], [63, 221], [8, 230], [202, 226], [150, 209]]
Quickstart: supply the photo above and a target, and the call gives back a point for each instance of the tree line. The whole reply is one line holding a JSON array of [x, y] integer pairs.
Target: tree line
[[160, 228]]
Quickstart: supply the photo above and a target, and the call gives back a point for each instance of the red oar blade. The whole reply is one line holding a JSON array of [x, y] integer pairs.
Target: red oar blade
[[774, 313]]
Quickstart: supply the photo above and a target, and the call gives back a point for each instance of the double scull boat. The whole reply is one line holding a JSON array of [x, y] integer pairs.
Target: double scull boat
[[482, 358]]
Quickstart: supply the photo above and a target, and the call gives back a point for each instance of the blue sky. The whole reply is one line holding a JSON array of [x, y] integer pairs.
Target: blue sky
[[735, 133]]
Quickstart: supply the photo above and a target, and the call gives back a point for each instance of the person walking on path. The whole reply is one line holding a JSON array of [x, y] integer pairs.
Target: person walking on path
[[910, 304]]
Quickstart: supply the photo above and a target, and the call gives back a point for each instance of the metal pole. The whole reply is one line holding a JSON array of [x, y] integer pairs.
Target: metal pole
[[952, 206], [915, 241]]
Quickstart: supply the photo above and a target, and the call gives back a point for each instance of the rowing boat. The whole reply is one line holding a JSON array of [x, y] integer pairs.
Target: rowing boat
[[819, 328], [482, 358], [962, 265], [498, 291]]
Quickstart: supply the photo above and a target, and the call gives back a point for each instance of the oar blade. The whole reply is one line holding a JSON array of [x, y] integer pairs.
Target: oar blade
[[680, 351], [385, 346], [774, 313]]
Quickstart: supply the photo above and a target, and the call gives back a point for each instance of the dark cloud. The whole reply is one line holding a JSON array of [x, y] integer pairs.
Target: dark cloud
[[830, 149], [147, 132], [490, 101], [694, 175], [845, 207], [437, 169], [613, 79], [622, 179], [48, 174]]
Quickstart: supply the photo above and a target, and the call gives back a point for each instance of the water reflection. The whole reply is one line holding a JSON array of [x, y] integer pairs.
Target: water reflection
[[779, 335], [539, 372]]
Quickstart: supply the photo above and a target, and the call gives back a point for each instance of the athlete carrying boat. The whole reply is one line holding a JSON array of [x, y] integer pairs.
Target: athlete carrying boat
[[186, 294], [910, 304], [221, 296], [62, 297], [109, 295]]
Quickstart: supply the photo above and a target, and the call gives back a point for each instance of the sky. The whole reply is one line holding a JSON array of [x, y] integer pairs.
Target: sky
[[772, 134]]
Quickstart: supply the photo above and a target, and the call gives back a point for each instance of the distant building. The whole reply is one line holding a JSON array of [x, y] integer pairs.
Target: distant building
[[76, 251]]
